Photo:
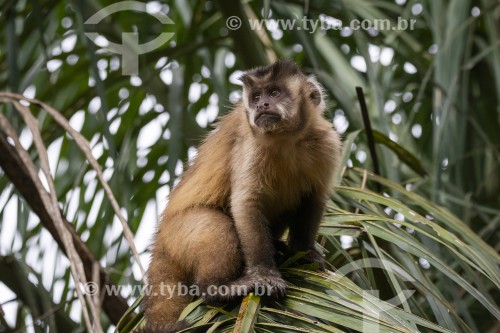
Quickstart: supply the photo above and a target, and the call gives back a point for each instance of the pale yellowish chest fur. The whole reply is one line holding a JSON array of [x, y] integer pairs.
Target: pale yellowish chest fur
[[286, 172]]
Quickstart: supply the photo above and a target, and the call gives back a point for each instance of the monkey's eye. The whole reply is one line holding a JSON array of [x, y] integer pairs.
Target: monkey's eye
[[274, 93], [256, 98]]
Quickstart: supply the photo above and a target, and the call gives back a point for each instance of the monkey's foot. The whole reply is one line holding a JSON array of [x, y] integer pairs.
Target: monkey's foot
[[265, 281], [314, 257], [258, 280]]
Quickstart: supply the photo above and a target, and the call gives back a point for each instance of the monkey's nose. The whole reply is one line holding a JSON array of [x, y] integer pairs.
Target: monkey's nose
[[262, 106]]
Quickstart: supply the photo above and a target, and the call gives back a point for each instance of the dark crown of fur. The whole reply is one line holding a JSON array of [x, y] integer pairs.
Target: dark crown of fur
[[280, 70]]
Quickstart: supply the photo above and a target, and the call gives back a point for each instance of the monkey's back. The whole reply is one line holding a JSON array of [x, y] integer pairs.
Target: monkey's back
[[207, 181]]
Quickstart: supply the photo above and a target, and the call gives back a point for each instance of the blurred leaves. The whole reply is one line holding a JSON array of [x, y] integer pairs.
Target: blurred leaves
[[432, 94]]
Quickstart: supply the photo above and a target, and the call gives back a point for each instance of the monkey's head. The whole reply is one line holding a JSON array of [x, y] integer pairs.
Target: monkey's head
[[279, 98]]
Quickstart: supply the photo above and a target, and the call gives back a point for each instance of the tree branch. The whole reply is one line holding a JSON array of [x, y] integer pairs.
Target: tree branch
[[113, 305], [14, 276]]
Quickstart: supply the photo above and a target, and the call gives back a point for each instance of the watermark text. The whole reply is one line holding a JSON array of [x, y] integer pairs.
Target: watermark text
[[312, 25]]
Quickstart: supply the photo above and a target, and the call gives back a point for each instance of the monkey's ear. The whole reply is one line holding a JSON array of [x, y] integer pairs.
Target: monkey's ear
[[247, 80], [315, 92]]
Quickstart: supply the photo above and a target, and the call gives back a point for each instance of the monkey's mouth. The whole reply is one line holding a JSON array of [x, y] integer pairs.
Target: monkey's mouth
[[267, 117]]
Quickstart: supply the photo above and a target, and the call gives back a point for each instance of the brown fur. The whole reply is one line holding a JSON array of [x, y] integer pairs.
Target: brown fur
[[247, 184]]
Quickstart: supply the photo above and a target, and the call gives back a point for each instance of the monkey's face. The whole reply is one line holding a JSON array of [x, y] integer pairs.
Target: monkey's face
[[279, 98], [270, 106]]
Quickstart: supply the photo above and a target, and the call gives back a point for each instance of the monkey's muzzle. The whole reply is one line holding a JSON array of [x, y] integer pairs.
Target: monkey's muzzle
[[266, 118]]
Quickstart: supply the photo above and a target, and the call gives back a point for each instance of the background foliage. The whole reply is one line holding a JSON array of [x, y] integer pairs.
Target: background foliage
[[433, 90]]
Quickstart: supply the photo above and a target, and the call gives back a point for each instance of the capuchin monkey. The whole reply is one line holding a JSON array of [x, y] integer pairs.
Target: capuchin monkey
[[266, 168]]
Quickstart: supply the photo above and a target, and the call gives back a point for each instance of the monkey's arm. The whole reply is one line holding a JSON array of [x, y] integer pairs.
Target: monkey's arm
[[304, 227], [253, 230], [257, 245]]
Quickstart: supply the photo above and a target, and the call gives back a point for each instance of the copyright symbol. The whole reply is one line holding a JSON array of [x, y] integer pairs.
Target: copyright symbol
[[233, 23], [91, 288]]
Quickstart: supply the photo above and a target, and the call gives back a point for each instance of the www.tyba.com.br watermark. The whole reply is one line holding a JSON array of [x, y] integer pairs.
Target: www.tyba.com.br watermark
[[312, 25], [179, 289]]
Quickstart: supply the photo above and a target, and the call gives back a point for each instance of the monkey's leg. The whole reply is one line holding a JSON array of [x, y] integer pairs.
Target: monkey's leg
[[218, 267], [219, 258], [196, 247]]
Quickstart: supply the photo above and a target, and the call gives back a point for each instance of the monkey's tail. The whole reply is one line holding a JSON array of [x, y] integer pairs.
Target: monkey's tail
[[179, 326], [164, 300]]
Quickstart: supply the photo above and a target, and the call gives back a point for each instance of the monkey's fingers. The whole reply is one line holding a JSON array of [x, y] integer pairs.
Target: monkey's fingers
[[274, 286], [279, 291]]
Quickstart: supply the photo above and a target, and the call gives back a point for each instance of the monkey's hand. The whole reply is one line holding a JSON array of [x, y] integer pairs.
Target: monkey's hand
[[267, 278], [314, 257], [259, 280]]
